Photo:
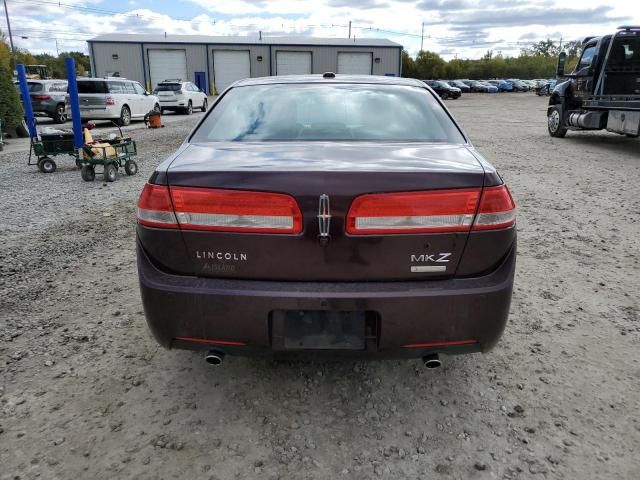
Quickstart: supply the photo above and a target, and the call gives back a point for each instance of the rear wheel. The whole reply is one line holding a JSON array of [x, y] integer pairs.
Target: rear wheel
[[204, 105], [46, 165], [88, 173], [125, 116], [130, 167], [110, 172], [60, 115], [156, 108], [554, 122], [444, 96], [189, 109]]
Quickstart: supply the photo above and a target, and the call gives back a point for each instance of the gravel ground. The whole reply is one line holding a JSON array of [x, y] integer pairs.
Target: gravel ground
[[85, 392]]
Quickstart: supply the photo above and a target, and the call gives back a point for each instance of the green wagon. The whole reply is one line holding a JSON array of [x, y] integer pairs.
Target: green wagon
[[51, 145], [111, 155]]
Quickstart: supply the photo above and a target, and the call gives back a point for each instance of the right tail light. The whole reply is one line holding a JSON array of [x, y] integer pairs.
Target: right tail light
[[497, 209]]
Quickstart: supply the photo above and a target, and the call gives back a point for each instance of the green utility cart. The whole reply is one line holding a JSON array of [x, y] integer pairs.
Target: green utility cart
[[111, 154]]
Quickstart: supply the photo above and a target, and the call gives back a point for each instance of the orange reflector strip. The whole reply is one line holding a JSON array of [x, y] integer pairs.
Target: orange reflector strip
[[211, 342], [440, 344]]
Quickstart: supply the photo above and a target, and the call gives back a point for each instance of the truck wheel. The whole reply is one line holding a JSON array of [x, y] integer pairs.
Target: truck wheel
[[88, 173], [554, 122], [46, 165], [130, 167], [60, 115], [110, 172], [125, 116]]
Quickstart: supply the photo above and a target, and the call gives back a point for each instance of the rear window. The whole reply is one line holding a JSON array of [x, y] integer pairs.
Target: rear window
[[92, 87], [333, 112], [168, 87], [34, 87]]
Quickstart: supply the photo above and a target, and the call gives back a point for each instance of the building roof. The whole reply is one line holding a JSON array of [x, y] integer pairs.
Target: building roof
[[339, 78], [243, 40]]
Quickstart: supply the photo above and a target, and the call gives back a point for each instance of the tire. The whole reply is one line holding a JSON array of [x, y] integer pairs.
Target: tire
[[156, 108], [630, 135], [204, 105], [189, 109], [110, 172], [130, 167], [125, 116], [88, 173], [444, 96], [46, 165], [554, 123], [60, 115]]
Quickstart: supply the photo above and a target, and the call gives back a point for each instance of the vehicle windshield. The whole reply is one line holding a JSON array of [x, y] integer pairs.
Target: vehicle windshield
[[442, 84], [329, 112], [168, 87]]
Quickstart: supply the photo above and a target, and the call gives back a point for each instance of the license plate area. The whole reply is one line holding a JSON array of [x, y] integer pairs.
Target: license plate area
[[323, 330]]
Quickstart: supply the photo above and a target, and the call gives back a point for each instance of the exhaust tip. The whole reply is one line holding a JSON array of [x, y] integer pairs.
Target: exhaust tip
[[431, 361], [214, 357]]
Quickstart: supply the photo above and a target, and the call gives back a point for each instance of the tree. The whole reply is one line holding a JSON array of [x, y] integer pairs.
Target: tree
[[11, 111]]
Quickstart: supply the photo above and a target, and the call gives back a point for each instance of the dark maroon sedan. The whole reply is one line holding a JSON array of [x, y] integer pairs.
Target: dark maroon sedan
[[327, 215]]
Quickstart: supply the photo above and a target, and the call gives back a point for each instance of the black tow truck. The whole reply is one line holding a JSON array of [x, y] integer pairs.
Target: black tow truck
[[603, 91]]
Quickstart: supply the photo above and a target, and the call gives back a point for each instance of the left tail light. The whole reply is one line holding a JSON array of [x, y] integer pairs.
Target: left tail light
[[109, 100], [192, 208], [41, 97], [155, 208]]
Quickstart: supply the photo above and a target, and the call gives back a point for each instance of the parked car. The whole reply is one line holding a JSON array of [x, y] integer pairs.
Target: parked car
[[287, 224], [176, 95], [114, 98], [48, 98], [519, 85], [479, 86], [443, 89], [464, 88], [503, 85]]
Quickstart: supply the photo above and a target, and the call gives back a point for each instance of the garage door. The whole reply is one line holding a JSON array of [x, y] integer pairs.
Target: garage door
[[293, 63], [354, 63], [166, 64], [229, 66]]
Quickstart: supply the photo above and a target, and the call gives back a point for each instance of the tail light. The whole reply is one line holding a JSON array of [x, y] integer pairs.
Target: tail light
[[413, 212], [497, 209], [235, 210], [210, 209], [436, 211], [155, 208], [41, 97], [109, 100]]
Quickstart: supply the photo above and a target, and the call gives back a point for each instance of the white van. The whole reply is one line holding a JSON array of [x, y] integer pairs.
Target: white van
[[114, 98]]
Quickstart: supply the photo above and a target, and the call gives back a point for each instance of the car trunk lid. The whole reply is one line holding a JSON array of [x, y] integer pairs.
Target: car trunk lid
[[336, 174]]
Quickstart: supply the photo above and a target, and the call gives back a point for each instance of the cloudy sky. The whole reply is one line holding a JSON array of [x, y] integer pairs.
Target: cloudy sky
[[462, 28]]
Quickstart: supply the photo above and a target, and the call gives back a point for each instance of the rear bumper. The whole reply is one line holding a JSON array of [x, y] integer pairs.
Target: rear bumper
[[173, 103], [415, 318]]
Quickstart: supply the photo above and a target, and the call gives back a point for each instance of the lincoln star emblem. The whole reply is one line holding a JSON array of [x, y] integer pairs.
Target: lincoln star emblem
[[324, 219]]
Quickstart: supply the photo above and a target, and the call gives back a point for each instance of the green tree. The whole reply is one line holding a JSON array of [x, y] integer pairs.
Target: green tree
[[11, 111]]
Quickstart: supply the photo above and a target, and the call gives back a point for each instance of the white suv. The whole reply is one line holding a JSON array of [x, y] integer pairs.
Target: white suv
[[114, 98], [180, 96]]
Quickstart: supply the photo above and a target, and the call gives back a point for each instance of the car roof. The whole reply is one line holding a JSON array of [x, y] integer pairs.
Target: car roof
[[335, 78]]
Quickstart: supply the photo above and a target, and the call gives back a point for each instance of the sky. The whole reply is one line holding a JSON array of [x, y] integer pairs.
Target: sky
[[452, 28]]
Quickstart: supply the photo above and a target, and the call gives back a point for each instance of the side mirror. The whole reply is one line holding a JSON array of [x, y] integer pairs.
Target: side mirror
[[562, 59]]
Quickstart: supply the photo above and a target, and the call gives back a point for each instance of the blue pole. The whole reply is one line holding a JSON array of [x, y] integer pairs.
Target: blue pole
[[26, 100], [78, 139]]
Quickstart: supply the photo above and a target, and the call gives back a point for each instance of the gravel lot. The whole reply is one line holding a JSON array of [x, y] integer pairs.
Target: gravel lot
[[85, 392]]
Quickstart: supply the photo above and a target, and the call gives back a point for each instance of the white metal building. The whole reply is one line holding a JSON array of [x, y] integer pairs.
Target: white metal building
[[213, 63]]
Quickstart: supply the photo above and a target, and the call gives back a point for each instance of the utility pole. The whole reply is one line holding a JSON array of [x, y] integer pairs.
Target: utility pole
[[57, 49], [422, 37], [13, 50], [560, 46], [349, 28]]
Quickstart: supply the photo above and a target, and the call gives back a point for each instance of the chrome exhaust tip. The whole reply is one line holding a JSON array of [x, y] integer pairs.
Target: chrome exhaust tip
[[431, 361], [214, 357]]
